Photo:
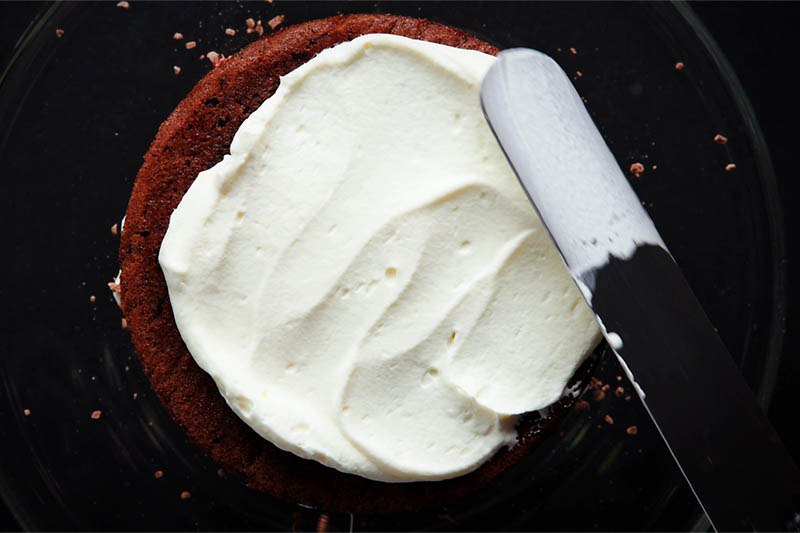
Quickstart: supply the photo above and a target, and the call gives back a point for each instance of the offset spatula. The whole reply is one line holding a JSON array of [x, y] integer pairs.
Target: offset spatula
[[729, 453]]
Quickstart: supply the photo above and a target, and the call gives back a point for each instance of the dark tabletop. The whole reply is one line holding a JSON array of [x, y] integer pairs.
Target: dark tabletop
[[755, 36]]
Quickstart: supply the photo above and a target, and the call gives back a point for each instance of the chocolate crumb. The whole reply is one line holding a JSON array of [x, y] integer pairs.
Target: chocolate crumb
[[115, 229], [27, 412], [230, 31], [176, 69], [177, 36], [123, 4], [574, 52], [158, 474], [619, 392], [274, 22], [59, 32], [608, 419], [92, 298], [96, 414], [221, 472], [637, 169], [190, 44], [322, 523], [124, 323], [598, 395], [632, 430], [679, 65], [721, 139], [729, 167], [185, 495], [581, 405], [448, 517]]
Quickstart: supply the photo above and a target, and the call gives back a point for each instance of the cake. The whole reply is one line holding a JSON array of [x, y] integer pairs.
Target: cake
[[195, 137]]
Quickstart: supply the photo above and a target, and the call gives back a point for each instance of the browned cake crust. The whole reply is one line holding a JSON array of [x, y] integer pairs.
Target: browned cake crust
[[195, 137]]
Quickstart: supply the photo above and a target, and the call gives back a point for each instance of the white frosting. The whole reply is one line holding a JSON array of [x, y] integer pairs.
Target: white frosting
[[363, 276]]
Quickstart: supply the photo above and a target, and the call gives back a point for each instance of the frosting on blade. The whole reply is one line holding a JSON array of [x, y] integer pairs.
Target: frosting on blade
[[363, 276]]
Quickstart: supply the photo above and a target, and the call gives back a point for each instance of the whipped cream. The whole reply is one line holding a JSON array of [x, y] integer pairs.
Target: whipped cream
[[363, 276]]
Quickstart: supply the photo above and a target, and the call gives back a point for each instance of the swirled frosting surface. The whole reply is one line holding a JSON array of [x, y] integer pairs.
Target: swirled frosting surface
[[363, 276]]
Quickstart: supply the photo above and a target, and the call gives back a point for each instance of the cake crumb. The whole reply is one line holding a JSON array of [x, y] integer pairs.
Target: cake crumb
[[729, 167], [185, 495], [654, 167], [96, 414], [27, 412], [221, 472], [176, 69], [322, 523], [598, 395], [679, 65], [608, 419], [158, 474], [59, 33], [619, 378], [177, 36], [124, 323], [115, 229], [135, 395], [259, 29], [579, 73], [637, 169], [274, 22], [605, 387], [123, 4], [92, 298], [213, 57], [230, 31], [190, 44], [619, 392], [113, 286], [573, 51], [581, 405], [250, 24], [721, 139], [632, 430], [127, 368], [628, 398]]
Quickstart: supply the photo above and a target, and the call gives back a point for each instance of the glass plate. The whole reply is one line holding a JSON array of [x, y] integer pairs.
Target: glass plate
[[77, 114]]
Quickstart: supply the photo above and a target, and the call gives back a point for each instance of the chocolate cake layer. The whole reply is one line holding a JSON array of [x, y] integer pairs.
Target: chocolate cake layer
[[194, 137]]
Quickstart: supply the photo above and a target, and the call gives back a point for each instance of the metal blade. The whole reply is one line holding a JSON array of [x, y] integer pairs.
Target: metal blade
[[729, 453]]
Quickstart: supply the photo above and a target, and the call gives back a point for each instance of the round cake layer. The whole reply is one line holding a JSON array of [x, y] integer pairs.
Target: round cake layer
[[195, 137]]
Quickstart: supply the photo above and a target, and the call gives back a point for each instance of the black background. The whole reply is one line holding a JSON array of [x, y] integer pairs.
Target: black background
[[756, 37]]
